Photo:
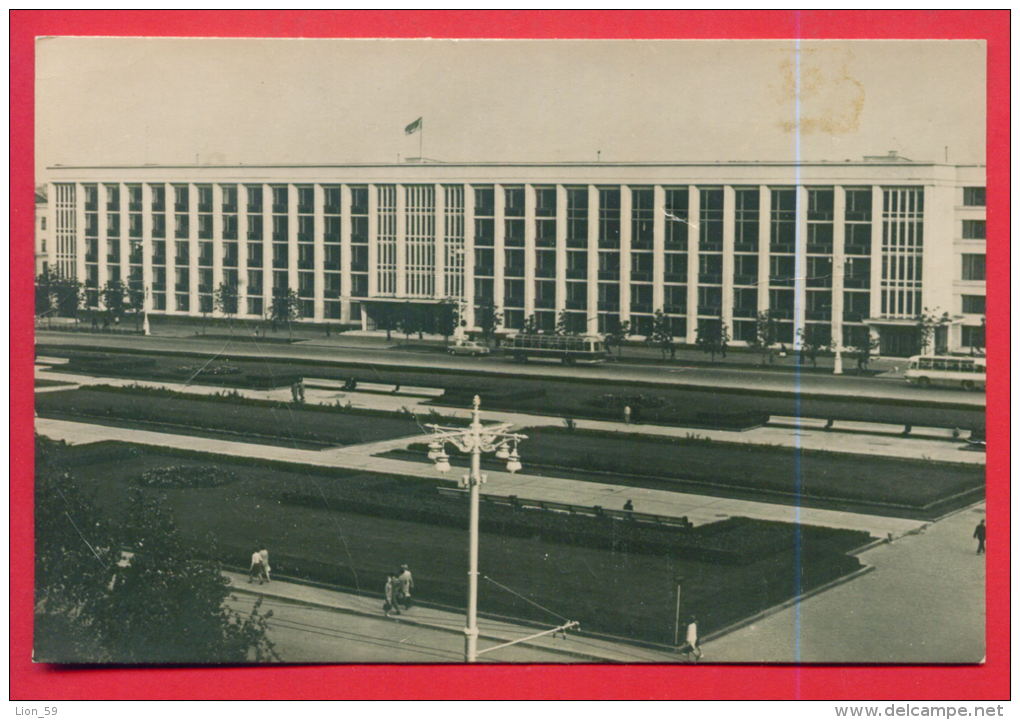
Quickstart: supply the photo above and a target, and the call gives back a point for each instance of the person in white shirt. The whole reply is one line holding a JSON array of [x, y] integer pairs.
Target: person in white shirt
[[264, 555], [406, 584], [255, 571], [691, 646]]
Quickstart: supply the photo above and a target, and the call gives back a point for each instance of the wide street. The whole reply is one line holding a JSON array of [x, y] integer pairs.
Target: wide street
[[374, 352]]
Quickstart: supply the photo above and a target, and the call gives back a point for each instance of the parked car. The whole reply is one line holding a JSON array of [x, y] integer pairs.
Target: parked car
[[468, 347]]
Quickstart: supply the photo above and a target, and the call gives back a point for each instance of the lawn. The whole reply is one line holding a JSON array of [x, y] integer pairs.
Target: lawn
[[236, 419], [562, 397], [862, 483], [314, 530]]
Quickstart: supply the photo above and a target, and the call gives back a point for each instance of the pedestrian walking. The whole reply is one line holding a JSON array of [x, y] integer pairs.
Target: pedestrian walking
[[979, 533], [626, 414], [255, 571], [406, 585], [264, 555], [628, 506], [390, 594], [691, 644]]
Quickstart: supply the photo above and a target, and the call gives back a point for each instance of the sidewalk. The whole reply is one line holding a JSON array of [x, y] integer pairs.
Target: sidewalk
[[804, 433], [923, 603], [446, 629]]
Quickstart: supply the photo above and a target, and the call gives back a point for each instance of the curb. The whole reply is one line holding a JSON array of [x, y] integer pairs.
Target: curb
[[421, 623]]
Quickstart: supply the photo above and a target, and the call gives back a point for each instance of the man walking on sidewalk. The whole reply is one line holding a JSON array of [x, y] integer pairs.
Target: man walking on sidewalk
[[979, 533], [255, 571], [406, 584], [691, 645]]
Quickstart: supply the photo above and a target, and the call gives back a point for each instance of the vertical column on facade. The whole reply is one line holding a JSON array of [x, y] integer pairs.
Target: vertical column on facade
[[170, 245], [439, 252], [242, 249], [561, 249], [193, 249], [292, 237], [146, 247], [125, 236], [800, 266], [469, 257], [268, 273], [838, 262], [529, 250], [593, 260], [626, 206], [217, 241], [729, 230], [318, 252], [102, 272], [693, 242], [498, 250], [658, 247], [79, 232], [401, 210], [51, 224], [373, 241], [875, 300], [764, 245], [345, 255]]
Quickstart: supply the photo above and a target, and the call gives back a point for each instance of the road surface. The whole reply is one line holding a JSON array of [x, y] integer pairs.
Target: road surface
[[326, 351]]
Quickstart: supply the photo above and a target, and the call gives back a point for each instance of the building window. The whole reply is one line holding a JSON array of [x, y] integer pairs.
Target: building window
[[676, 212], [577, 216], [204, 198], [711, 221], [514, 206], [973, 336], [974, 196], [609, 217], [973, 304], [306, 199], [545, 202], [642, 216], [973, 229], [973, 267], [485, 202]]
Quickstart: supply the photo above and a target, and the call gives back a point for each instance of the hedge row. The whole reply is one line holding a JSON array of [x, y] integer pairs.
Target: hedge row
[[736, 541]]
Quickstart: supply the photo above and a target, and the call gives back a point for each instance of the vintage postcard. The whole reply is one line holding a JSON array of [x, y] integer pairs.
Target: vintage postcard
[[510, 351]]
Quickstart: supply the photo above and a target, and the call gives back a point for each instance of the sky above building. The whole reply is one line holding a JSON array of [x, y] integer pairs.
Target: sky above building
[[137, 101]]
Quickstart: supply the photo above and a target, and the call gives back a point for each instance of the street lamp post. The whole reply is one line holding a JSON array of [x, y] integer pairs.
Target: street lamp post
[[475, 439]]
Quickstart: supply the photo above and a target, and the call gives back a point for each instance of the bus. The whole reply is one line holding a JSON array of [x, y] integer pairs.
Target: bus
[[947, 370], [566, 348]]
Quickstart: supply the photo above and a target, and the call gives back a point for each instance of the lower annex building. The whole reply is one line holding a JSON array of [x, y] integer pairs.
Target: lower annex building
[[834, 247]]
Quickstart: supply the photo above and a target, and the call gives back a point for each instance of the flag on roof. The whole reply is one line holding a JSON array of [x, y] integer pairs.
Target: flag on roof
[[413, 127]]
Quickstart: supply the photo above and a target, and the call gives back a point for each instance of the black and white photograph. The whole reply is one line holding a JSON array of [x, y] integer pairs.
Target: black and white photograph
[[509, 351]]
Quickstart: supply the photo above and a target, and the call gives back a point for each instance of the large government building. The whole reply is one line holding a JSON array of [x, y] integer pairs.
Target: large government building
[[852, 247]]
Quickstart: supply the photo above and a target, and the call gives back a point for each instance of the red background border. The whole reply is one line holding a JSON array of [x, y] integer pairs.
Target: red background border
[[989, 681]]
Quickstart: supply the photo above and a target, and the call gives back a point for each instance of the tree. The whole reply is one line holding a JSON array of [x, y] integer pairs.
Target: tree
[[562, 323], [114, 296], [409, 321], [447, 318], [44, 294], [530, 326], [136, 302], [927, 324], [385, 318], [862, 346], [662, 334], [69, 296], [490, 319], [766, 331], [130, 590], [616, 333], [285, 307], [712, 337], [225, 300], [813, 340]]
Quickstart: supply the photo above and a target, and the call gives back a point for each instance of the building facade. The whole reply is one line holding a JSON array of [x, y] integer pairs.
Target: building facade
[[42, 236], [843, 248]]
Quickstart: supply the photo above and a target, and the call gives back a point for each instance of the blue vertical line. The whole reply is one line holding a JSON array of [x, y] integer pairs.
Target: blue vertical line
[[798, 312]]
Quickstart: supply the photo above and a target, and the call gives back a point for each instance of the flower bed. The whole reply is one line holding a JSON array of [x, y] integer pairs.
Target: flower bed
[[187, 476]]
